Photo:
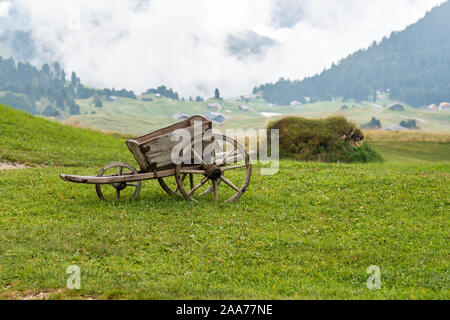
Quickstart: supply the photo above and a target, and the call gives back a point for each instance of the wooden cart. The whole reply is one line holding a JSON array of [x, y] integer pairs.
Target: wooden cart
[[153, 153]]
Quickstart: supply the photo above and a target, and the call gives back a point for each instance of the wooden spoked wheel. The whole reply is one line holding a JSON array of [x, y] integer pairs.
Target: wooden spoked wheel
[[117, 169], [228, 167], [173, 190]]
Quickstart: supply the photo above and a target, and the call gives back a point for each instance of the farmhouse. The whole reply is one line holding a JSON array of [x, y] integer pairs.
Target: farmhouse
[[216, 117], [397, 107], [433, 107], [249, 98], [444, 106], [243, 108], [295, 103], [180, 116]]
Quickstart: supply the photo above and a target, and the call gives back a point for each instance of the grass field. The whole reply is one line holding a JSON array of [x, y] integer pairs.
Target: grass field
[[309, 232]]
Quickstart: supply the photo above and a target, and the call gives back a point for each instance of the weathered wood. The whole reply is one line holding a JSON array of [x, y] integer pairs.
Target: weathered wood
[[126, 177], [122, 185], [159, 149], [154, 150], [133, 146], [180, 125]]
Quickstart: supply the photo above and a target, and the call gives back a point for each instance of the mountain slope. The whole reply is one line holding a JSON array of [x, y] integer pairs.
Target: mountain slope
[[413, 64]]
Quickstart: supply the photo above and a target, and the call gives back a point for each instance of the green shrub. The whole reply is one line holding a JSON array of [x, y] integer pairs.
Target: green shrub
[[327, 140]]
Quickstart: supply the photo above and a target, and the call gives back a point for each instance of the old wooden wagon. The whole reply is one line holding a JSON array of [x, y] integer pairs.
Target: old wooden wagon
[[209, 160]]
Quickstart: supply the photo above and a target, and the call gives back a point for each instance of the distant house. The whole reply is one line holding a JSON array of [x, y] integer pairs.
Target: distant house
[[433, 107], [295, 103], [251, 97], [214, 116], [180, 116], [444, 106], [397, 107], [158, 95], [243, 108], [214, 106]]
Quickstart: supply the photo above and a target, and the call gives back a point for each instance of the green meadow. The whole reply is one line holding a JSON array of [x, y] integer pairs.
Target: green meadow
[[308, 232], [140, 117]]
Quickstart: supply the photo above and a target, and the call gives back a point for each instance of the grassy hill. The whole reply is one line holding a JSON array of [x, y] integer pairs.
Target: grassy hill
[[33, 140], [310, 231]]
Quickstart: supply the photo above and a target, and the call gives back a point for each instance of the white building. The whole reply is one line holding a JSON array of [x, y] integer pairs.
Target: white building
[[444, 106]]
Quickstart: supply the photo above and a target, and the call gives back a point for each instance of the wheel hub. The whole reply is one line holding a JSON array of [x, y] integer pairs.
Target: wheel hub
[[120, 186], [214, 172]]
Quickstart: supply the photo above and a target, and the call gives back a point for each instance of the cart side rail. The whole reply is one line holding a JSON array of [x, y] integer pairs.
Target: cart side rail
[[154, 151]]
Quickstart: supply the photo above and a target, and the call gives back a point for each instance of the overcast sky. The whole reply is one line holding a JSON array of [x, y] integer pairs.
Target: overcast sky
[[195, 46]]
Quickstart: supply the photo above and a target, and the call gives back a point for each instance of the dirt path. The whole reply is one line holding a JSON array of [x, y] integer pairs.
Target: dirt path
[[12, 166]]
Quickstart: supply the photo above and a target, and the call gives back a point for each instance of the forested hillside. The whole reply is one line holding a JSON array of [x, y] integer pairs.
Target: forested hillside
[[46, 91], [413, 65]]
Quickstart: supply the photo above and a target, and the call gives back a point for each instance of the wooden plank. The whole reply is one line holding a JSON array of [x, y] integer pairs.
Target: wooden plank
[[126, 177], [160, 148], [155, 149], [171, 128], [133, 145]]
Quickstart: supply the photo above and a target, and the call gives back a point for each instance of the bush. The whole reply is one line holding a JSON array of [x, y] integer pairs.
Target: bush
[[98, 102], [50, 111], [410, 124], [373, 124], [328, 140]]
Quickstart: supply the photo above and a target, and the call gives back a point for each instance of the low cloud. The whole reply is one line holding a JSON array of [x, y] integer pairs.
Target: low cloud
[[4, 8], [186, 44]]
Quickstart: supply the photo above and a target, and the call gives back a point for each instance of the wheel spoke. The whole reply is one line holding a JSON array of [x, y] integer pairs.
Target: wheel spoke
[[117, 194], [191, 180], [216, 193], [229, 183], [120, 170], [204, 180], [234, 167], [210, 190], [193, 171], [182, 179]]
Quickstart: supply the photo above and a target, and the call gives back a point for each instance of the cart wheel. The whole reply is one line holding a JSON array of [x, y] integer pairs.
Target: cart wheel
[[173, 190], [122, 169], [235, 162]]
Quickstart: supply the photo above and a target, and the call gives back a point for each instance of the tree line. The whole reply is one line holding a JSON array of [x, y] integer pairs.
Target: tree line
[[24, 85]]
